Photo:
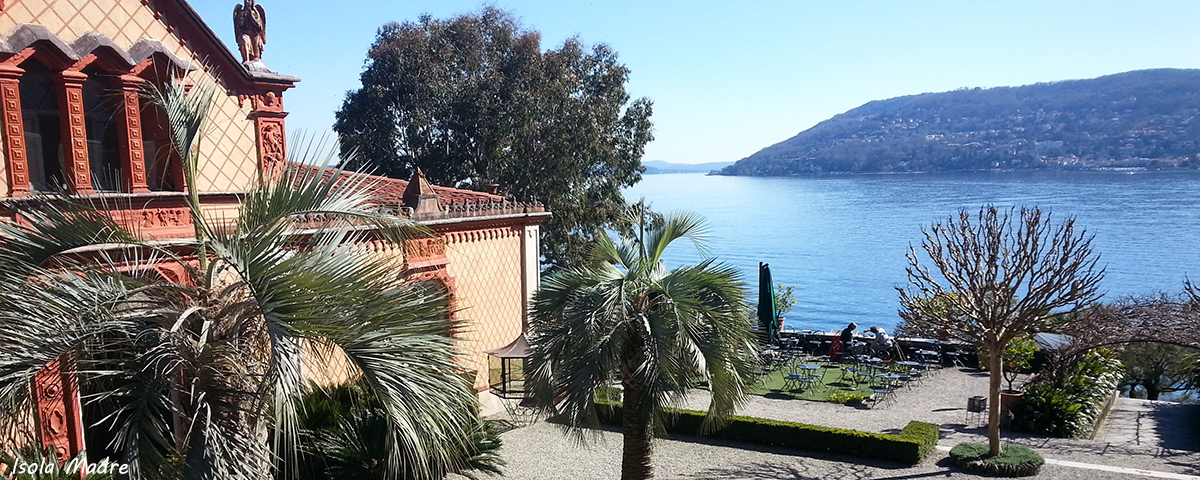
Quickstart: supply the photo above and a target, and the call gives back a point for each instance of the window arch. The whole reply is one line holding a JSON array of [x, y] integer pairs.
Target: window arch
[[43, 127], [101, 105]]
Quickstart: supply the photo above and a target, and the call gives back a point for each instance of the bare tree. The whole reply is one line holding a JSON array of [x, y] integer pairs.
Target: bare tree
[[1000, 274]]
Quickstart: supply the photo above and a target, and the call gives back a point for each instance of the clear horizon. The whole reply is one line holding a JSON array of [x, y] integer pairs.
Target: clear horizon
[[728, 80]]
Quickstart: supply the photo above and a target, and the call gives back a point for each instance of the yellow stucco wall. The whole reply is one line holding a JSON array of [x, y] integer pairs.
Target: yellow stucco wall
[[486, 268], [229, 156], [123, 21]]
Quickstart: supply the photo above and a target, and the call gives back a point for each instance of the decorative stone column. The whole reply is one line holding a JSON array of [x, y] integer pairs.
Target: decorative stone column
[[14, 130], [133, 155], [59, 416], [74, 133], [271, 137], [531, 270]]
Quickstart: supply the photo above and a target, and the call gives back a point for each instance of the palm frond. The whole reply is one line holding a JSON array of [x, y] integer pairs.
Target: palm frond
[[53, 225], [675, 227], [302, 188]]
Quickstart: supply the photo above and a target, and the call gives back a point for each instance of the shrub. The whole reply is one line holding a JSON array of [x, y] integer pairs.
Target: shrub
[[344, 435], [910, 446], [1067, 401], [847, 398], [1013, 461]]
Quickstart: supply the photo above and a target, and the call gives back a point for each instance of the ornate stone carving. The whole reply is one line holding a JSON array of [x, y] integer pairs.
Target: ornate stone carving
[[424, 249], [14, 131], [166, 217], [58, 410], [153, 221], [250, 28], [270, 136], [75, 157], [133, 156]]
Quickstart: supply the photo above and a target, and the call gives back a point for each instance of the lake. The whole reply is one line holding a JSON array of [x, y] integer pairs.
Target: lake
[[841, 241]]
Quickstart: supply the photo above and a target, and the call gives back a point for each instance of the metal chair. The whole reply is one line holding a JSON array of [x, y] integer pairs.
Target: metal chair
[[791, 381], [884, 394]]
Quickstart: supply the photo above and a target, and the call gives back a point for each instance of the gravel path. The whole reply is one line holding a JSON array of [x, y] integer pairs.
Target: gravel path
[[541, 451]]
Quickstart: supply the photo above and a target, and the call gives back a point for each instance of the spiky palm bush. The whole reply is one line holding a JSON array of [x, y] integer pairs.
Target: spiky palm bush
[[343, 433], [631, 320], [199, 377]]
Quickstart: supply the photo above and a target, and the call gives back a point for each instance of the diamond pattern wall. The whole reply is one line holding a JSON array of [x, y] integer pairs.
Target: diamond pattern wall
[[228, 152], [124, 21], [486, 267]]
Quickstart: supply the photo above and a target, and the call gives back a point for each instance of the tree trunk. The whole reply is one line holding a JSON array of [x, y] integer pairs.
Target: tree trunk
[[1152, 390], [635, 455], [995, 375], [635, 416]]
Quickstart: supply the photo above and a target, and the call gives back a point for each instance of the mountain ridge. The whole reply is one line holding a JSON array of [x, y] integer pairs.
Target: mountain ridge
[[1144, 119], [654, 167]]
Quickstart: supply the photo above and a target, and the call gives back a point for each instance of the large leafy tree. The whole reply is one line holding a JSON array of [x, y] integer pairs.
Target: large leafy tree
[[473, 101], [1156, 367], [630, 319], [200, 377], [1000, 275]]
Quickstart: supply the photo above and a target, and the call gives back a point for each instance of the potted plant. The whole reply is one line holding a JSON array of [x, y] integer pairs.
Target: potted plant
[[1017, 358]]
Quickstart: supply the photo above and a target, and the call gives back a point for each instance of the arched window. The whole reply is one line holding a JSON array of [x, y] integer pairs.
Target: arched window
[[101, 103], [43, 127], [163, 170]]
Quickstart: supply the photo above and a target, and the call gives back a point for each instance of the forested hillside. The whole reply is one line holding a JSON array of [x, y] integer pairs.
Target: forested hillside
[[1140, 119]]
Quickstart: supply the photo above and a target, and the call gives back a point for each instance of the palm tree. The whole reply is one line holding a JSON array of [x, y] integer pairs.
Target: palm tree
[[655, 330], [201, 377]]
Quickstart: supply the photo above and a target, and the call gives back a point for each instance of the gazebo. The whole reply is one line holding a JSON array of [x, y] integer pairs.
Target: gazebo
[[506, 368]]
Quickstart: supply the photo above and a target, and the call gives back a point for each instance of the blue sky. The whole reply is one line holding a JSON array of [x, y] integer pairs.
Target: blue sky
[[729, 78]]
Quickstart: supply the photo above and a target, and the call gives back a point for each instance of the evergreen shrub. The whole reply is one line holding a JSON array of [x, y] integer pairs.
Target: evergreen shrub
[[1067, 401]]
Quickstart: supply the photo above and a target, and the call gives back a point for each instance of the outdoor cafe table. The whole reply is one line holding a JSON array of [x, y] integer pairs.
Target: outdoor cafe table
[[889, 376], [809, 370], [927, 353], [909, 363]]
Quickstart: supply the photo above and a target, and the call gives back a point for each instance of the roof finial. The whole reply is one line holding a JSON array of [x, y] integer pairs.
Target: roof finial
[[420, 196]]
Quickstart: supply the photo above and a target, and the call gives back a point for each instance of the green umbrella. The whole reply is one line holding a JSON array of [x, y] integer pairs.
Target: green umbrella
[[766, 303]]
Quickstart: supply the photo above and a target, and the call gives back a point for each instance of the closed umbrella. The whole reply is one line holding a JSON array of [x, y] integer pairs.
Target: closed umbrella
[[766, 303]]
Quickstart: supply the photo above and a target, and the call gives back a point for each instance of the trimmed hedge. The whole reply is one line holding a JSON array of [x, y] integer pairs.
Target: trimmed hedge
[[910, 446]]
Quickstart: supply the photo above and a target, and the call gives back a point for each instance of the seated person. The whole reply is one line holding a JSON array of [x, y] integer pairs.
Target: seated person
[[882, 342], [842, 343]]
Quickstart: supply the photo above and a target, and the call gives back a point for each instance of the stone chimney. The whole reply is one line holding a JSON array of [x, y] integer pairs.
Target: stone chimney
[[419, 196]]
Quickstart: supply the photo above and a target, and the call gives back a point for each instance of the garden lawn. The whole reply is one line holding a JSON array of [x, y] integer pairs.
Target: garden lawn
[[771, 385]]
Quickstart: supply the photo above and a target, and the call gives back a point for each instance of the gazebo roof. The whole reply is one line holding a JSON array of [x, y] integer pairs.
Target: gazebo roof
[[519, 348]]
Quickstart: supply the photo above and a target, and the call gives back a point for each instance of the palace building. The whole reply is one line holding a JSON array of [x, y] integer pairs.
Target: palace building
[[71, 73]]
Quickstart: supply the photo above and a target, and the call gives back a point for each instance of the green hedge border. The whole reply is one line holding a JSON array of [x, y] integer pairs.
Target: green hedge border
[[910, 446]]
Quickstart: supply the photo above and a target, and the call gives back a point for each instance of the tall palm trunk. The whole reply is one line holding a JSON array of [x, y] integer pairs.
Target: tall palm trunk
[[635, 415]]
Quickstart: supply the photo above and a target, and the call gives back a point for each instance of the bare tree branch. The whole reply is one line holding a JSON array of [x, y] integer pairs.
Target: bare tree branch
[[999, 274]]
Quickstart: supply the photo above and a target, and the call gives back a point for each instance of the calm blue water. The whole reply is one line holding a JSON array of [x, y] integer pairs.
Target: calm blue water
[[841, 241]]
